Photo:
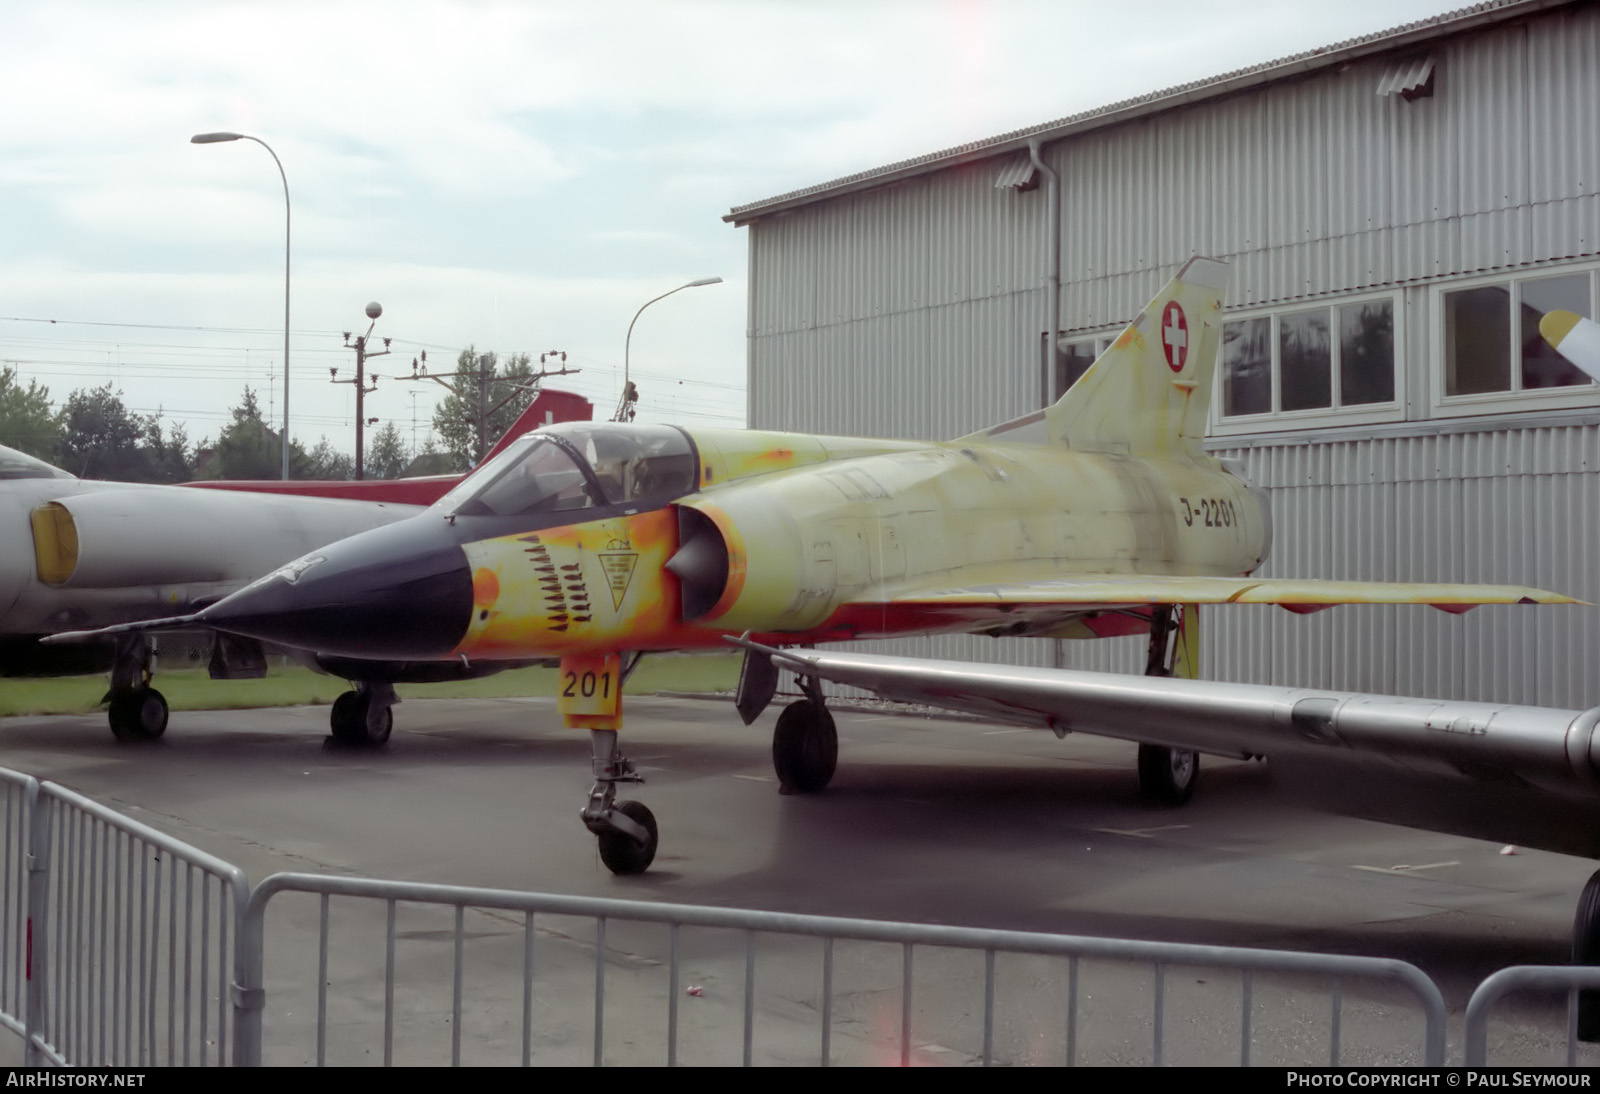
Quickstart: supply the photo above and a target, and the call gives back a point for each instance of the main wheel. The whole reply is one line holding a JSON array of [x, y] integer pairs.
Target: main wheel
[[1586, 951], [805, 747], [348, 721], [1168, 774], [621, 853], [139, 714]]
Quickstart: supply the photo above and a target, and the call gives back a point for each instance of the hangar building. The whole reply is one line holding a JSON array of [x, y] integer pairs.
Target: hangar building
[[1398, 211]]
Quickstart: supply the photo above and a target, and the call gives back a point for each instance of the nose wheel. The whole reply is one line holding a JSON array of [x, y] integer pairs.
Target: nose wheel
[[364, 718], [138, 714], [136, 711], [626, 830]]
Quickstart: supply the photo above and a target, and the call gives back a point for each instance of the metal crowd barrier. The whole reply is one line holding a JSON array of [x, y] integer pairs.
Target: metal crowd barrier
[[1340, 970], [18, 1003], [122, 946], [1517, 978], [118, 943]]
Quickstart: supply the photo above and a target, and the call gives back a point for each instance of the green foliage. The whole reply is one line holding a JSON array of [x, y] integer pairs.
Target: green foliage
[[387, 454], [168, 457], [27, 422], [325, 462], [247, 449], [455, 419], [291, 685], [102, 439]]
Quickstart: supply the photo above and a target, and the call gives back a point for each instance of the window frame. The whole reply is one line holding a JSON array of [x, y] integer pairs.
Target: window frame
[[1442, 405], [1276, 420]]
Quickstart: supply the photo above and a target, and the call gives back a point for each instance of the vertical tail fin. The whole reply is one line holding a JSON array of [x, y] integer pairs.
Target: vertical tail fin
[[1149, 393]]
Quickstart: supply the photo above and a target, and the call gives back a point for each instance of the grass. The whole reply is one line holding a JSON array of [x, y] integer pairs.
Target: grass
[[292, 685]]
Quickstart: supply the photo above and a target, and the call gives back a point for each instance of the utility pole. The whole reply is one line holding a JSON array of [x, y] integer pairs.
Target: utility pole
[[485, 377], [374, 310]]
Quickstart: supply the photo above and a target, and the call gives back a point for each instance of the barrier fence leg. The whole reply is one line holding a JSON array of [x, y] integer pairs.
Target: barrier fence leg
[[249, 993], [35, 965]]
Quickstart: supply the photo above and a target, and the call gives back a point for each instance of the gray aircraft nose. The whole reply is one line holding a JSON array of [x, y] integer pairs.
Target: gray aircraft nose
[[401, 592]]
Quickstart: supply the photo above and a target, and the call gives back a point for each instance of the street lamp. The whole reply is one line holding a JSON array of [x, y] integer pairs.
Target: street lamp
[[218, 138], [625, 405]]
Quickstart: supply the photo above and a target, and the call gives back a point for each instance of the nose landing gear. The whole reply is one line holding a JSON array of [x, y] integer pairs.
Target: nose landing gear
[[138, 712], [626, 830], [364, 717], [590, 697]]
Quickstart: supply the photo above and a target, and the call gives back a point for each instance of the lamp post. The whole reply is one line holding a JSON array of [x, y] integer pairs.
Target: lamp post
[[218, 138], [625, 405]]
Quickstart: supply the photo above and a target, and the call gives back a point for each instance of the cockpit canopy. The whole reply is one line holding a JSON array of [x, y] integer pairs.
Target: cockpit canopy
[[20, 465], [578, 465]]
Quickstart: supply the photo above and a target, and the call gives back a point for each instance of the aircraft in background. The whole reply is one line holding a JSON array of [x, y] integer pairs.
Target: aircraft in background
[[548, 407], [1575, 338], [80, 553], [1100, 515]]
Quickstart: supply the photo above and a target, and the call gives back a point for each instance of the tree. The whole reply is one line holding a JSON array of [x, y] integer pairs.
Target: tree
[[247, 449], [100, 439], [387, 455], [27, 422], [167, 456], [324, 462], [455, 419]]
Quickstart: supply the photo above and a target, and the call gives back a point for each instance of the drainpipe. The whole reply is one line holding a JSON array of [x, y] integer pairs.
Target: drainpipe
[[1053, 276], [1052, 308]]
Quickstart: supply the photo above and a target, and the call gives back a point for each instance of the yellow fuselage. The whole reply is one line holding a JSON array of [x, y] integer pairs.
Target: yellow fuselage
[[813, 529]]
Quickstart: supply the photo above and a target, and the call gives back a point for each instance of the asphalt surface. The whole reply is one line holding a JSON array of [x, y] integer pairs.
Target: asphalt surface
[[927, 820]]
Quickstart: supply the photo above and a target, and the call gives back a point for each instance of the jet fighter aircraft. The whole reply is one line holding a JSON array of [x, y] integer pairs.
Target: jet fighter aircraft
[[76, 552], [105, 552], [1100, 515]]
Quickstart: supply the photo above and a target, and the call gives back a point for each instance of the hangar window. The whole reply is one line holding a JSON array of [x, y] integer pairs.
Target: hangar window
[[1491, 347], [1279, 368], [1073, 359]]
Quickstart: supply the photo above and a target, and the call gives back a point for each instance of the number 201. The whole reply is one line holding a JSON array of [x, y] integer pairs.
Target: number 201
[[587, 685]]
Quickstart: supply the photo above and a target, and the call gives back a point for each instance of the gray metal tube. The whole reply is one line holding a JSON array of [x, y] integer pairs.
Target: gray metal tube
[[1052, 244]]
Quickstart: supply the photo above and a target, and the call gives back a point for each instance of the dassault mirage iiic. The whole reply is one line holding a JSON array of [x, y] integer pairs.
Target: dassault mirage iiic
[[1100, 515]]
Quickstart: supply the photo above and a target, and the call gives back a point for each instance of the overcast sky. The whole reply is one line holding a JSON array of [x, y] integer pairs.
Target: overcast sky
[[518, 177]]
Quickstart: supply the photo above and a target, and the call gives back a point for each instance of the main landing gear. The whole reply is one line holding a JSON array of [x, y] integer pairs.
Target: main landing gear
[[138, 712], [363, 718], [1168, 775], [805, 744], [1586, 951]]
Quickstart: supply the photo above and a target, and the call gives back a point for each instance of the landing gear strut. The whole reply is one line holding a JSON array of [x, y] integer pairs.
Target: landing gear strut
[[626, 830], [364, 717], [590, 697], [1168, 775], [138, 712]]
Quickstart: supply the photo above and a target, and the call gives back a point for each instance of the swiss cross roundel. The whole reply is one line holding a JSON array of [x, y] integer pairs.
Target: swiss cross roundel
[[1174, 335]]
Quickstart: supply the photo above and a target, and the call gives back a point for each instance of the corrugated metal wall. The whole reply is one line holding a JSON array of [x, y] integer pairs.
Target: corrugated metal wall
[[917, 310]]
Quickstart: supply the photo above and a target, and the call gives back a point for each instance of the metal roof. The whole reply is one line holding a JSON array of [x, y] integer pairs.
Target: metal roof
[[1404, 36]]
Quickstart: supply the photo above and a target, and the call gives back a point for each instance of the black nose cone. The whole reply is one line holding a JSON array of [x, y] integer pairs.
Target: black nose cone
[[403, 591]]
